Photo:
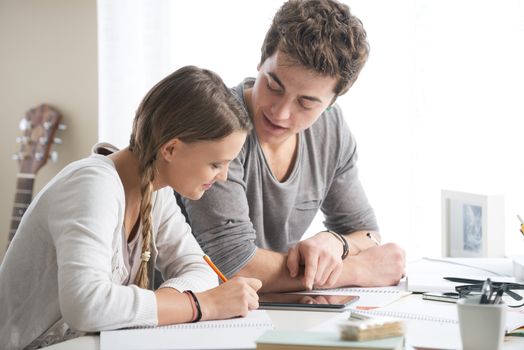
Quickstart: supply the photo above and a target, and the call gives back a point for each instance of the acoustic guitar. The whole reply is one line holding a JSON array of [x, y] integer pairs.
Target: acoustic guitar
[[39, 127]]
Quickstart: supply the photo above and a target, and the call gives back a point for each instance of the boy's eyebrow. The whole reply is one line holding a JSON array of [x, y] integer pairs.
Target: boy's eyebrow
[[279, 82]]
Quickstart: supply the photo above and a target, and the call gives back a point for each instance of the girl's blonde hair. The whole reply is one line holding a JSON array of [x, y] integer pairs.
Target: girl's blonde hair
[[192, 104]]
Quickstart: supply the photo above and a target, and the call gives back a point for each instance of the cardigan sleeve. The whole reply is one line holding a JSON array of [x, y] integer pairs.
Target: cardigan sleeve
[[86, 212], [180, 258]]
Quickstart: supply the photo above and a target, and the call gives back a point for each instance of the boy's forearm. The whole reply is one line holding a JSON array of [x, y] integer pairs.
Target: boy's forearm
[[270, 267]]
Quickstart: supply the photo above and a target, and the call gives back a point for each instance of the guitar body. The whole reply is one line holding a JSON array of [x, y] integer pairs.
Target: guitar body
[[40, 125]]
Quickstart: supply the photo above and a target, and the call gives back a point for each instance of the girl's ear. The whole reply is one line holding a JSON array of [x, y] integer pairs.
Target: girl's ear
[[169, 149]]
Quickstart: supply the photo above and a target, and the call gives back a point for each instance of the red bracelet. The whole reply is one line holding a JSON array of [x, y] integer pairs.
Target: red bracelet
[[197, 305]]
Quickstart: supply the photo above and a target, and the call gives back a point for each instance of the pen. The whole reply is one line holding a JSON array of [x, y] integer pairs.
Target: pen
[[371, 237], [217, 271], [356, 316], [462, 280], [499, 294], [486, 290], [490, 294]]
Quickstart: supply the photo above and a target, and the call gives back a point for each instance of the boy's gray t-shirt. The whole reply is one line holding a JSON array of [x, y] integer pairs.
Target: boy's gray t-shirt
[[252, 209]]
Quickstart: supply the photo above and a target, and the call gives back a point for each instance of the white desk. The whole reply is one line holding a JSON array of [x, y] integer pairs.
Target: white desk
[[309, 320], [284, 320]]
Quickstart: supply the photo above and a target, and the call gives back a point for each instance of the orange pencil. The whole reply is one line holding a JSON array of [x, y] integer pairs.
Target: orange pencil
[[210, 263]]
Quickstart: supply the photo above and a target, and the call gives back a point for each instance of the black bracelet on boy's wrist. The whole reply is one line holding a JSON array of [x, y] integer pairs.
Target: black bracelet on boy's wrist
[[343, 240]]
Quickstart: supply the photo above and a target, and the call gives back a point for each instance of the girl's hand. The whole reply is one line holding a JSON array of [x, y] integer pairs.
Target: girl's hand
[[231, 299]]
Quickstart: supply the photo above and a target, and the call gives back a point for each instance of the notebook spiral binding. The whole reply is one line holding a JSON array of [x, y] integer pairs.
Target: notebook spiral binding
[[407, 315]]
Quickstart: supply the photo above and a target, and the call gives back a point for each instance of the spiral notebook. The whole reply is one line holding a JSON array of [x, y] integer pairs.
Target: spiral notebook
[[370, 298], [236, 333]]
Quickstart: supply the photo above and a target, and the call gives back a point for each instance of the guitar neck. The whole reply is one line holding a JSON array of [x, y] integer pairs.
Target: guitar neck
[[23, 197], [39, 125]]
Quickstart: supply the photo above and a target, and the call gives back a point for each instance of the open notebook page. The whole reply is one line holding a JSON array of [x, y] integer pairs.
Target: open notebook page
[[236, 333]]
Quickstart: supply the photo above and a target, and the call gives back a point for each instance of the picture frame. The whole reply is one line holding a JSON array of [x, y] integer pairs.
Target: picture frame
[[472, 224]]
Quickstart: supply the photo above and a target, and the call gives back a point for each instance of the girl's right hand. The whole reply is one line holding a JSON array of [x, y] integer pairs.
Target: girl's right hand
[[230, 299]]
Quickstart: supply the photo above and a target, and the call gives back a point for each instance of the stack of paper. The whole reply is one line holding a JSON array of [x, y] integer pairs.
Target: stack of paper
[[361, 327]]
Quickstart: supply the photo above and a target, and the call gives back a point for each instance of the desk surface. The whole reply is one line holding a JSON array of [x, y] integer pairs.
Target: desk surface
[[313, 320], [283, 320]]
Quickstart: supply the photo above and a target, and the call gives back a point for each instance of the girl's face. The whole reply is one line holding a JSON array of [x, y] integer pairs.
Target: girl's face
[[192, 168]]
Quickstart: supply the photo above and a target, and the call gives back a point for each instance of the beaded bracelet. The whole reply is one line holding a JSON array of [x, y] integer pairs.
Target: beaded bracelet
[[343, 240], [197, 304]]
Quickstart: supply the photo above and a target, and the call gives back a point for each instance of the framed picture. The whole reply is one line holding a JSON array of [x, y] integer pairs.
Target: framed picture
[[472, 225]]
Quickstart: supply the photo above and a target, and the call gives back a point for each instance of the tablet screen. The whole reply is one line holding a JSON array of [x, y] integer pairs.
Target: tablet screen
[[320, 302]]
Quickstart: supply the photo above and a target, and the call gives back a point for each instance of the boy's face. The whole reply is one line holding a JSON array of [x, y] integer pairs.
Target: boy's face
[[287, 98]]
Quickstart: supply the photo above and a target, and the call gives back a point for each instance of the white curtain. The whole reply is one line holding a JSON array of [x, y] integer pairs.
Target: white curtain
[[135, 45], [439, 104]]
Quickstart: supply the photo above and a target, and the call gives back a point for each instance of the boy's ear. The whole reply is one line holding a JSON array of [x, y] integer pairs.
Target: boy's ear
[[332, 102]]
